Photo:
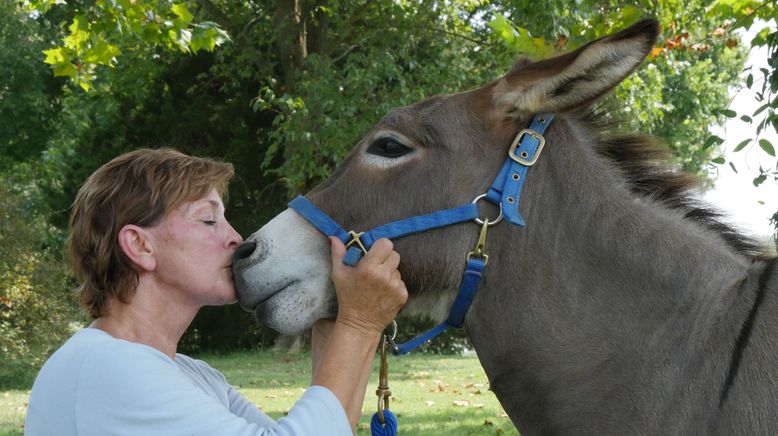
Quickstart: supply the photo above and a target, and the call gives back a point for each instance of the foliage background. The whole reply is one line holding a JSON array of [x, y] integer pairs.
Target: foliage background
[[282, 89]]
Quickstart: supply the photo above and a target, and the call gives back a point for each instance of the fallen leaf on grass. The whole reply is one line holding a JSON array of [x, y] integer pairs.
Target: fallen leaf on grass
[[488, 423], [429, 403], [461, 403]]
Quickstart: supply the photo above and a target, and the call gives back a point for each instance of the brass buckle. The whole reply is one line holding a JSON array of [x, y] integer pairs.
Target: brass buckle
[[355, 240], [526, 160]]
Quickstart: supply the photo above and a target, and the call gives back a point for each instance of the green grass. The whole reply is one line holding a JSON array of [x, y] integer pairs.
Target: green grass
[[431, 395]]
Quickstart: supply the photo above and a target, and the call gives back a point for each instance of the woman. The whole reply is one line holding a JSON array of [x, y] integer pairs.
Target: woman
[[150, 245]]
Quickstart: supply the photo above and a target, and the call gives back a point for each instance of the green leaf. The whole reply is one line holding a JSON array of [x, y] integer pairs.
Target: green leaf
[[79, 24], [101, 53], [712, 139], [746, 119], [741, 145], [719, 160], [759, 180], [767, 146], [732, 165], [84, 84], [728, 113], [749, 80], [630, 14], [761, 37], [760, 109], [56, 56], [184, 16], [502, 27], [66, 69]]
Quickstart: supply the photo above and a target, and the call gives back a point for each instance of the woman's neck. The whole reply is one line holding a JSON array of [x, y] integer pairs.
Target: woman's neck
[[150, 318]]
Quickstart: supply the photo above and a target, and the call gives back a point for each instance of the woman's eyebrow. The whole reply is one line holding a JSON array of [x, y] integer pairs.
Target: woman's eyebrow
[[212, 205]]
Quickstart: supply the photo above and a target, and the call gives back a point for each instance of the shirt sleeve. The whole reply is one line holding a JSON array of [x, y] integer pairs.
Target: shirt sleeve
[[130, 392]]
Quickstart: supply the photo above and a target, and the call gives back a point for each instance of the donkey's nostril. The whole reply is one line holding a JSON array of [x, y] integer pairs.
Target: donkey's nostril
[[244, 250]]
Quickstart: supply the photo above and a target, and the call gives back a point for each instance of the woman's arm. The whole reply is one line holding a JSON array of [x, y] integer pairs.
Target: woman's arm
[[369, 297]]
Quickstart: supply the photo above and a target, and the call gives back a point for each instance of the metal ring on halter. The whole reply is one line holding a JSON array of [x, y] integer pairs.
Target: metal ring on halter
[[394, 331], [489, 223]]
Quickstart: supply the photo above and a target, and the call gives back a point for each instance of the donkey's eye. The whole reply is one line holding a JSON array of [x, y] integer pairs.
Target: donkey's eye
[[388, 147]]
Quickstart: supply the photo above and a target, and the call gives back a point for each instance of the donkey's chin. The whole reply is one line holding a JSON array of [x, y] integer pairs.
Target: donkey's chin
[[293, 310]]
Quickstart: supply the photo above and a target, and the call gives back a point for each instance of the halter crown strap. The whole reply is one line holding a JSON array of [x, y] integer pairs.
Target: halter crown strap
[[524, 152]]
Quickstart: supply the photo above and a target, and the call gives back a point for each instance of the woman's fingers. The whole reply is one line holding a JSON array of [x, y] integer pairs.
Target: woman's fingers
[[378, 253], [372, 293]]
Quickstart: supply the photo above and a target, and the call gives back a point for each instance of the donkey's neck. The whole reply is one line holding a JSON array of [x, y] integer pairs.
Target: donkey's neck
[[600, 299]]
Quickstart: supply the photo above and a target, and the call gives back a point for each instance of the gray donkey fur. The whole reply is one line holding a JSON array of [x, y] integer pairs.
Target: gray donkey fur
[[624, 307]]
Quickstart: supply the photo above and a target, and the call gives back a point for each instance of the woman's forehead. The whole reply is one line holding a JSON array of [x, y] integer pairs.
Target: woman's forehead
[[210, 202]]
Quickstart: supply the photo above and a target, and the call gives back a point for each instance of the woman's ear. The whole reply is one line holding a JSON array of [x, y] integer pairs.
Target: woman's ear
[[136, 245]]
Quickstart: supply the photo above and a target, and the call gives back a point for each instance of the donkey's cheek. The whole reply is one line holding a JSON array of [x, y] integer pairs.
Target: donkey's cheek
[[297, 307]]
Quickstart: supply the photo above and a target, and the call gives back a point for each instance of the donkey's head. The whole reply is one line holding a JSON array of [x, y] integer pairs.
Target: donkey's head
[[436, 154]]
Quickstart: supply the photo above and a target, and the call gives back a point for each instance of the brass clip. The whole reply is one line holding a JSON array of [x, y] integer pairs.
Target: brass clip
[[480, 245], [383, 391]]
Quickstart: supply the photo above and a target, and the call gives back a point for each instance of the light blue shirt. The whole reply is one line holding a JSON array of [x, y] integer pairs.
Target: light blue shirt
[[96, 384]]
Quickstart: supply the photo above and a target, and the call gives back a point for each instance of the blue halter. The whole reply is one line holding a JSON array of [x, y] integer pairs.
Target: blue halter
[[505, 192]]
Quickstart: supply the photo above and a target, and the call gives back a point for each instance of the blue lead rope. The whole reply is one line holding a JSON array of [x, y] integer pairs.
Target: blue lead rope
[[388, 428]]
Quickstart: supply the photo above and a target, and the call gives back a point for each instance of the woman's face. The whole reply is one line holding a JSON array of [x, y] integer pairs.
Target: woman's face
[[193, 247]]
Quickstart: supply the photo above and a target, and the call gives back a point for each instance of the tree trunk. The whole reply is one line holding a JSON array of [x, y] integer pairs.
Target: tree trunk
[[291, 38]]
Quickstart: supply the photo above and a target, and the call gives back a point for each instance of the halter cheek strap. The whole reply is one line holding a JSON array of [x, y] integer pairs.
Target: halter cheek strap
[[505, 192]]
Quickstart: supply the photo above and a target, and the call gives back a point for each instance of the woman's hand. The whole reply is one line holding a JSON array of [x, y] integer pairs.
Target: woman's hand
[[371, 293], [369, 296]]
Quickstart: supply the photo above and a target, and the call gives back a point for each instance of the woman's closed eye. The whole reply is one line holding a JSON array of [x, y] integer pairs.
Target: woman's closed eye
[[209, 222]]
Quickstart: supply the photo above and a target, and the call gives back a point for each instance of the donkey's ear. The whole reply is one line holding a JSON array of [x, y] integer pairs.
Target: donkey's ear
[[576, 78]]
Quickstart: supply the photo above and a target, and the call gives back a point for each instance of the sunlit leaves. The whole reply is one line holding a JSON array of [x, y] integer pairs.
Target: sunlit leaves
[[519, 39], [95, 37], [184, 17], [741, 14]]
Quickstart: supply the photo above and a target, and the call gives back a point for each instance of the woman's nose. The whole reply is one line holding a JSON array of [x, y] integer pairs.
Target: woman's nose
[[234, 237], [244, 251]]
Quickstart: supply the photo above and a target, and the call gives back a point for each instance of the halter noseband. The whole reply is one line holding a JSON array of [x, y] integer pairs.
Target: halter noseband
[[505, 192]]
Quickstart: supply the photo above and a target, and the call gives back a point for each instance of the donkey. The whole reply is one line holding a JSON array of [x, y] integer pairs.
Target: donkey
[[625, 306]]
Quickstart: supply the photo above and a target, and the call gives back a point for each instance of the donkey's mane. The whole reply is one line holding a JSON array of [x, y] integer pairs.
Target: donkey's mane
[[645, 163]]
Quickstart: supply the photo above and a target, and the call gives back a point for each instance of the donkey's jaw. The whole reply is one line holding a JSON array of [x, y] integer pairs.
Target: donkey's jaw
[[286, 280]]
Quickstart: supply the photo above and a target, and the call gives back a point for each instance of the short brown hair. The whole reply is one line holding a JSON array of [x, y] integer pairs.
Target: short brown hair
[[139, 187]]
